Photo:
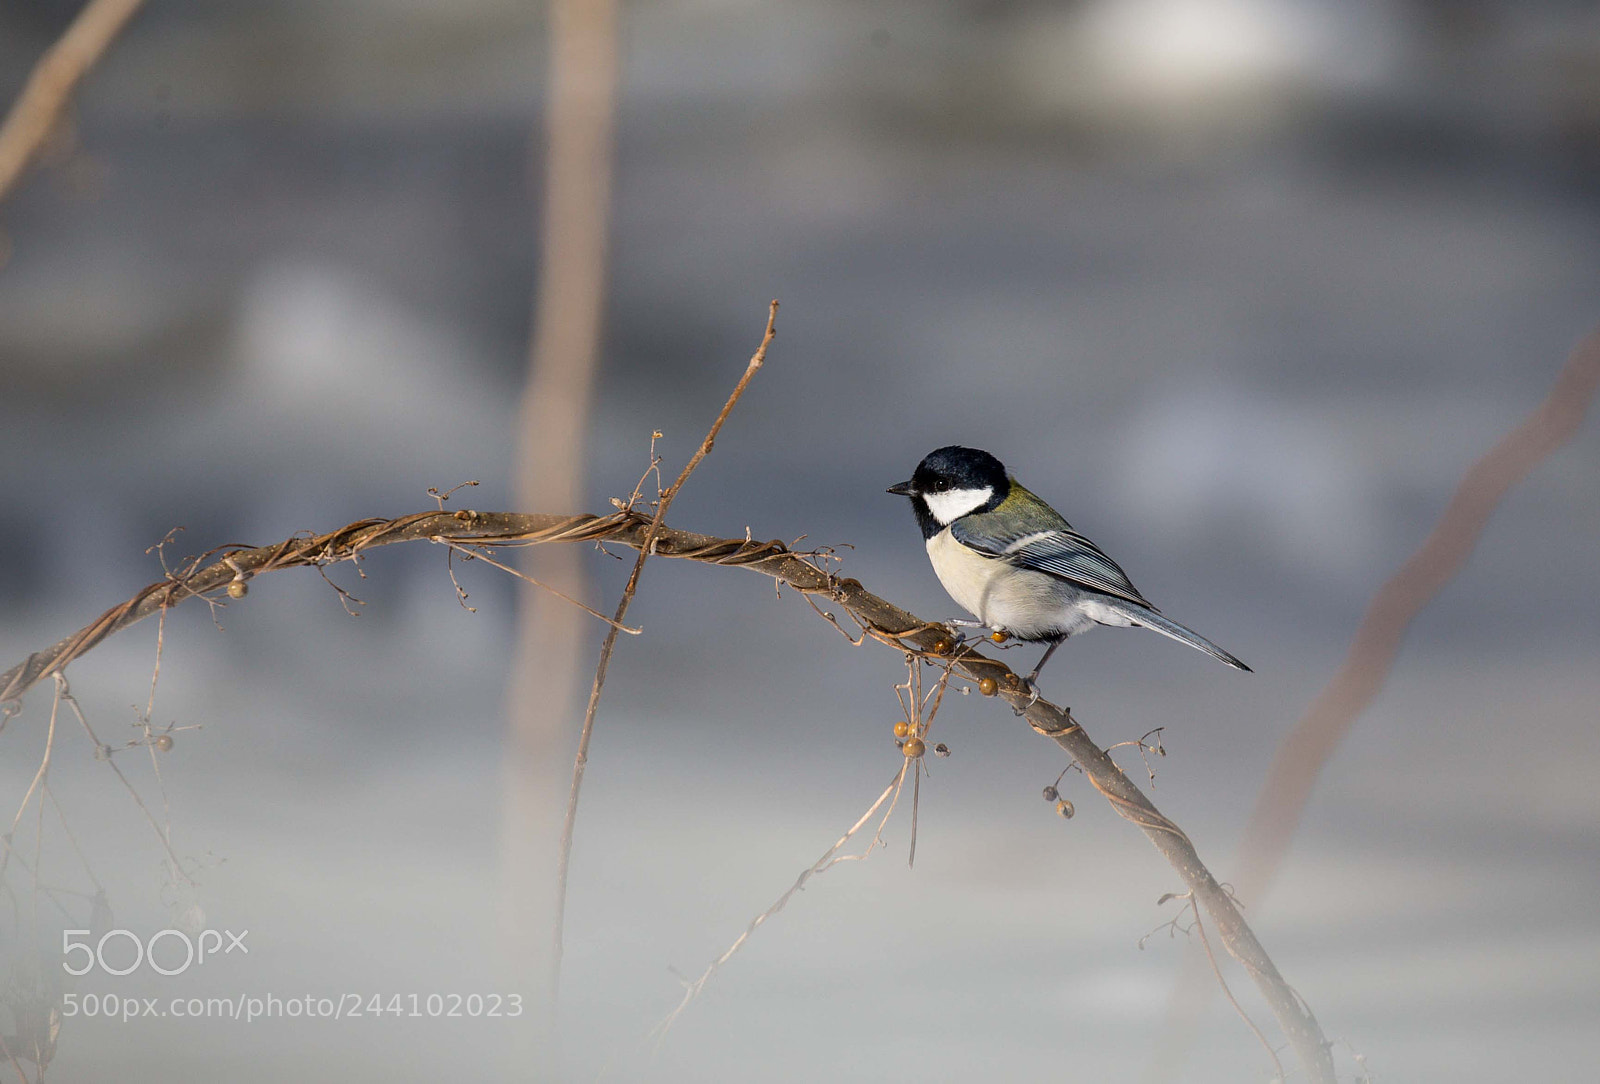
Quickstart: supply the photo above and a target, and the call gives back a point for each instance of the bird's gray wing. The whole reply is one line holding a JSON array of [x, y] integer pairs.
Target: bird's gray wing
[[1058, 550]]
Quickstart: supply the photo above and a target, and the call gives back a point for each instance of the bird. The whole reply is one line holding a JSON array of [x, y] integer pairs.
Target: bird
[[1017, 565]]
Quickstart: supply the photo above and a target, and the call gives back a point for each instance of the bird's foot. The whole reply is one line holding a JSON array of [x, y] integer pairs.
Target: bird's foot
[[1031, 687], [958, 626], [980, 631]]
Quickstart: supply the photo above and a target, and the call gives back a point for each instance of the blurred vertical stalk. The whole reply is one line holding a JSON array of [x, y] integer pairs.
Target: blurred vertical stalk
[[45, 96], [562, 360]]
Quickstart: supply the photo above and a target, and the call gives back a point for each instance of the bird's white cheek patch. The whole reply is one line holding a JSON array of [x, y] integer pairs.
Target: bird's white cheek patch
[[951, 505]]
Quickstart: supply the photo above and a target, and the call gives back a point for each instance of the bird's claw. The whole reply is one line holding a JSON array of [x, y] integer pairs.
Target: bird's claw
[[1032, 689], [957, 624]]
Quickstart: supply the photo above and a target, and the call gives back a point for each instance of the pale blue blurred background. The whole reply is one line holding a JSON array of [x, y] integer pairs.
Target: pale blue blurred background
[[1242, 286]]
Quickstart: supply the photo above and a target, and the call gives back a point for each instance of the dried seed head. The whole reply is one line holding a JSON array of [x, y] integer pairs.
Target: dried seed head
[[1064, 809], [988, 686], [902, 728], [1051, 793], [164, 743], [941, 750], [238, 589], [914, 748]]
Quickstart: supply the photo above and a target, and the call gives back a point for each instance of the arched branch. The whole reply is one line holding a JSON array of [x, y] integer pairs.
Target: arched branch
[[880, 618]]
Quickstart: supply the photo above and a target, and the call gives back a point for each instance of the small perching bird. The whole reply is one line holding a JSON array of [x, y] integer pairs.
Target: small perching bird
[[1013, 562]]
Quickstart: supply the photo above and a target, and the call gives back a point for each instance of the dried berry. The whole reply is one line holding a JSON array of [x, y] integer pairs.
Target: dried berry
[[164, 743], [914, 748], [1051, 794], [1065, 810], [941, 750], [238, 589], [941, 647], [902, 728], [988, 686], [1000, 636]]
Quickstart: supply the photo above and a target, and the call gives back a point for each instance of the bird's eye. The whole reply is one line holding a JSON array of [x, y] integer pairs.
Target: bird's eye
[[941, 485]]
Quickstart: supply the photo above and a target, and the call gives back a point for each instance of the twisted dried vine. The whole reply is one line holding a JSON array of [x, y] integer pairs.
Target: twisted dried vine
[[204, 577]]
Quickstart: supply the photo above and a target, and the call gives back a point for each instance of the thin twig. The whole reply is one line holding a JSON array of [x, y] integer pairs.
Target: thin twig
[[1205, 942], [478, 555], [916, 807], [39, 776], [66, 829], [103, 752], [12, 1058], [57, 74], [646, 547], [149, 711], [915, 705], [52, 892], [828, 860]]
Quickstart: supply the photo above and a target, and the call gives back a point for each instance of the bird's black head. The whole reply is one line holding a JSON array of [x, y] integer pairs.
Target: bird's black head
[[952, 482]]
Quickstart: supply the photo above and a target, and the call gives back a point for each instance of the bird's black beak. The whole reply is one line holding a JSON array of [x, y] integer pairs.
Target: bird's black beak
[[902, 489]]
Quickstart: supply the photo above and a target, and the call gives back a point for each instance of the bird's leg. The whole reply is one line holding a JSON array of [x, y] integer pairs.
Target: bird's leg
[[1031, 681], [1051, 650]]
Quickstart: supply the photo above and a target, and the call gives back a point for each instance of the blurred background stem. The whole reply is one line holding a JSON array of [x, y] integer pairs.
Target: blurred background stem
[[562, 361], [39, 107]]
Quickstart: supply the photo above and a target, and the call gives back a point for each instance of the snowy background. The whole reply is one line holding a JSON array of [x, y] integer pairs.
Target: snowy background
[[1242, 286]]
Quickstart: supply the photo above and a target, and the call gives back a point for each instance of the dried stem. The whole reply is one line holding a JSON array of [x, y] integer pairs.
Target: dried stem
[[1371, 657], [57, 74], [104, 752], [576, 161], [39, 776], [881, 619], [646, 547], [477, 555], [1205, 942], [1377, 641], [12, 1058], [829, 859]]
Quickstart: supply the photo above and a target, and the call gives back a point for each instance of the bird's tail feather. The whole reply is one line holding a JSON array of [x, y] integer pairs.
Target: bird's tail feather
[[1152, 620]]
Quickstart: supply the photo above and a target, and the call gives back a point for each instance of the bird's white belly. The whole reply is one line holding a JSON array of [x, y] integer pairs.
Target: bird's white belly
[[1028, 604]]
